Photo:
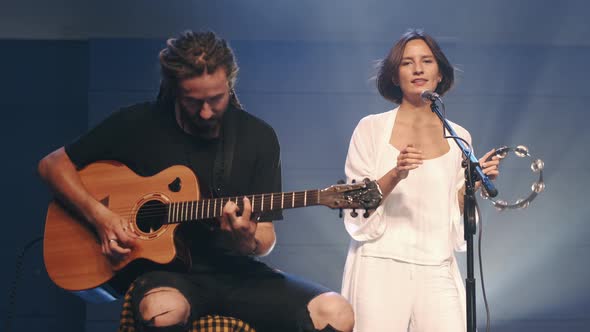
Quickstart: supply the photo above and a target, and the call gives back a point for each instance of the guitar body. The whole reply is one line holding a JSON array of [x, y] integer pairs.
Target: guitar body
[[154, 208], [72, 250]]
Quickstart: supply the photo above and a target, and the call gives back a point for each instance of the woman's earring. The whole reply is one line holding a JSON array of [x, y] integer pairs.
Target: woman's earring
[[394, 82]]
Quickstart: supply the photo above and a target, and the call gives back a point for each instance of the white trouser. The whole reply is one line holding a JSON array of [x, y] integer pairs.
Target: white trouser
[[395, 296]]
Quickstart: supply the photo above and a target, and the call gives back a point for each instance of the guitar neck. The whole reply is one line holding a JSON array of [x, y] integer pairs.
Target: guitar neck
[[212, 208]]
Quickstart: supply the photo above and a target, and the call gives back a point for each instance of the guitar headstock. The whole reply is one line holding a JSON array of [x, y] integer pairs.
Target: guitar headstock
[[363, 195]]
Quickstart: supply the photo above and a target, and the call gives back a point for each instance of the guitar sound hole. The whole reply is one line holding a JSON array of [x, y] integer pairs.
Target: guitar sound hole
[[151, 216]]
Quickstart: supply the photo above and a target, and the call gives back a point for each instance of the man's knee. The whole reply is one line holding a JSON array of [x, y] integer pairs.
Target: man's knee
[[331, 310], [164, 306]]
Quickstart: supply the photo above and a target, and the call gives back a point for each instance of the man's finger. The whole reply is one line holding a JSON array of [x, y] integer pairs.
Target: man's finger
[[224, 222], [247, 209]]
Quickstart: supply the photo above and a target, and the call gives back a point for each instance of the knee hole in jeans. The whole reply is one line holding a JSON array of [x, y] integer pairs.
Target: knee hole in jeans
[[164, 306]]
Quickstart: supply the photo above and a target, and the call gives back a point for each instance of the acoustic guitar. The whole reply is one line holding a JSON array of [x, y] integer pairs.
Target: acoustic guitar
[[154, 207]]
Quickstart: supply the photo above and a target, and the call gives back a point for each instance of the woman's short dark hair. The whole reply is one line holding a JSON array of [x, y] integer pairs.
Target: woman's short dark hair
[[388, 68]]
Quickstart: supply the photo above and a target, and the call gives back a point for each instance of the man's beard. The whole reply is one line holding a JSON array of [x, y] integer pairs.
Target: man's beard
[[207, 129]]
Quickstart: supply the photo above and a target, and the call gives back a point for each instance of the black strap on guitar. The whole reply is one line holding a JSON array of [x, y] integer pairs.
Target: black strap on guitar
[[222, 166]]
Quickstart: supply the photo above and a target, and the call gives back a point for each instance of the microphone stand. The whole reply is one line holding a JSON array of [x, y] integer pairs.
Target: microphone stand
[[473, 172]]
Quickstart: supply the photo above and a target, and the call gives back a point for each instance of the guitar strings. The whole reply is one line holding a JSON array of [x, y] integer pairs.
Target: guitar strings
[[183, 208], [195, 204]]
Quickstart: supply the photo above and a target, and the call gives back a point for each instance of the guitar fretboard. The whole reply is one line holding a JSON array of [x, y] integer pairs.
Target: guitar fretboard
[[212, 208]]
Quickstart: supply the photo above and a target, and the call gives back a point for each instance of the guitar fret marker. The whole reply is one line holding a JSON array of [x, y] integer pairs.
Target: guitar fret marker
[[173, 215], [180, 211], [202, 208], [179, 208], [272, 199], [208, 207]]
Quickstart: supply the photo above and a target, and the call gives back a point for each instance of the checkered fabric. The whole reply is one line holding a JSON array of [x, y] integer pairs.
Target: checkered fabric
[[209, 323]]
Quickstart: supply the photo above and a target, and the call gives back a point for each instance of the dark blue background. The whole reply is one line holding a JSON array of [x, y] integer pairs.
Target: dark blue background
[[305, 68]]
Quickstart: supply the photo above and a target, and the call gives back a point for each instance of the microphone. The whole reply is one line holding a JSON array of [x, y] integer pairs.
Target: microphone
[[428, 95], [488, 186]]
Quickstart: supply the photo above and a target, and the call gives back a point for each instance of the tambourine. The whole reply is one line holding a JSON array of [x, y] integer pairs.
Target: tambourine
[[537, 187]]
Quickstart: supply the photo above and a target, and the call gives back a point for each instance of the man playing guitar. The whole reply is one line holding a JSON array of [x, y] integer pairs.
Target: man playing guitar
[[191, 124]]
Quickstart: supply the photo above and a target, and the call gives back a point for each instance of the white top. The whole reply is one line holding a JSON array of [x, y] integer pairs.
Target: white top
[[419, 221]]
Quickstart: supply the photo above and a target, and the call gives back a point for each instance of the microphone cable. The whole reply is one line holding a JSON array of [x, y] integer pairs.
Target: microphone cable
[[11, 309], [483, 287], [479, 218]]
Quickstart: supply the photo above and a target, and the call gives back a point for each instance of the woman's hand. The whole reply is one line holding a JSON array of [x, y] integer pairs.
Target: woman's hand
[[408, 159], [489, 167]]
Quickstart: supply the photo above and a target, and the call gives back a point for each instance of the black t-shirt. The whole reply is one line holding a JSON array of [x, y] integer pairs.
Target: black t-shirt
[[147, 139]]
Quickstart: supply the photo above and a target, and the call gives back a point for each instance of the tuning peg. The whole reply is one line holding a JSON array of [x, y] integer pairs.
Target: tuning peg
[[366, 214], [354, 214], [341, 181], [339, 213]]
